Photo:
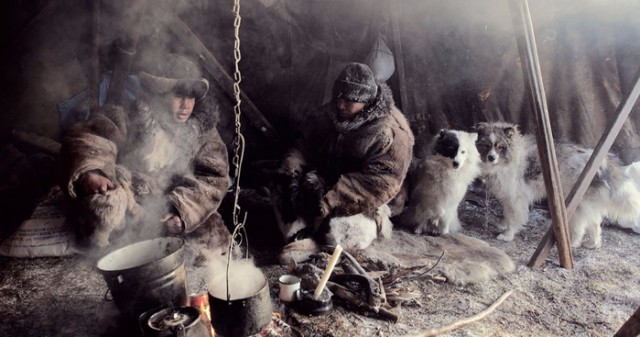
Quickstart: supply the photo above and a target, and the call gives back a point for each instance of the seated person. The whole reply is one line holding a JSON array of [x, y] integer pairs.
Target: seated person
[[159, 168], [333, 186]]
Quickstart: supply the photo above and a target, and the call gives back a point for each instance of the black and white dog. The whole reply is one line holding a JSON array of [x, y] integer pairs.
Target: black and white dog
[[439, 182]]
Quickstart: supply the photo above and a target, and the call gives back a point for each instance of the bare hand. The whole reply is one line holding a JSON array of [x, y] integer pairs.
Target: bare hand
[[94, 183], [173, 224]]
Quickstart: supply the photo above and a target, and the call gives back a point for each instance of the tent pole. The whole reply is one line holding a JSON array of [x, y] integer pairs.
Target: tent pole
[[399, 57], [527, 48], [599, 153], [211, 64], [126, 45], [94, 71]]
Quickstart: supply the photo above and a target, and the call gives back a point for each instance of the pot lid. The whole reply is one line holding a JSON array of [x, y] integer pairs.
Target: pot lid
[[168, 319]]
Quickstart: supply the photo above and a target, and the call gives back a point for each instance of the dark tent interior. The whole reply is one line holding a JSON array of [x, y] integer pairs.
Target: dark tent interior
[[450, 64]]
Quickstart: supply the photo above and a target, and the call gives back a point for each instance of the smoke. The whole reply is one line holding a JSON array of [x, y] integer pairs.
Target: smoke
[[245, 279]]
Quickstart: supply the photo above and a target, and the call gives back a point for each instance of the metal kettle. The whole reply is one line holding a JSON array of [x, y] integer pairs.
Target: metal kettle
[[173, 322]]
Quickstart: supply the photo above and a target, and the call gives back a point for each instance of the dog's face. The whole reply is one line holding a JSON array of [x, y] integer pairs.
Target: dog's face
[[494, 141], [454, 145]]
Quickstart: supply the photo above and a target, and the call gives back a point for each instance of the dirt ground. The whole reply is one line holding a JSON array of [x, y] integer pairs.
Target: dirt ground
[[65, 296]]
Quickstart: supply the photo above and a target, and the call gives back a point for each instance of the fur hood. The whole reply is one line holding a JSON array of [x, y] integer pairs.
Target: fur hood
[[377, 109]]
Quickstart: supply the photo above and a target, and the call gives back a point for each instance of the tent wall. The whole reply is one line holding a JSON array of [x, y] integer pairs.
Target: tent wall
[[460, 60]]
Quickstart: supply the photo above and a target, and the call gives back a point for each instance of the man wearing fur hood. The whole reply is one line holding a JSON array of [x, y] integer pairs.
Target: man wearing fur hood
[[159, 169], [349, 164]]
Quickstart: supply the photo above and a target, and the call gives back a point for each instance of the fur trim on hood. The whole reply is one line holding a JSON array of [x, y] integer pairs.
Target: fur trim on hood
[[379, 108]]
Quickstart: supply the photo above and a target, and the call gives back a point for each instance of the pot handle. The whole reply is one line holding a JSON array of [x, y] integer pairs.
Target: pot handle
[[108, 296], [179, 330]]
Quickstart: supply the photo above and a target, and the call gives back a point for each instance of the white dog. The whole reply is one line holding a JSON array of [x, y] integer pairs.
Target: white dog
[[440, 181], [513, 174]]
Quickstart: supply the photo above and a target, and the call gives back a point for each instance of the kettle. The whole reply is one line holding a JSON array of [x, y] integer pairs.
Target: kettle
[[173, 322]]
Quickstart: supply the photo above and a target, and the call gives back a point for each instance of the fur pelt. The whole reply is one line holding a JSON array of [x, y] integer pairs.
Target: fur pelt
[[466, 260], [351, 232], [514, 176], [169, 168], [439, 182]]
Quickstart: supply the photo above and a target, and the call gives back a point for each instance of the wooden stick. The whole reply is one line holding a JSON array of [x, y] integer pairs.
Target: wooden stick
[[40, 143], [327, 271], [466, 321], [346, 295], [217, 71], [532, 74], [631, 327]]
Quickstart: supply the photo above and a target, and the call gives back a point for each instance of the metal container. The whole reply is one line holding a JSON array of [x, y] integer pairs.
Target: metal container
[[146, 275], [241, 317], [174, 322]]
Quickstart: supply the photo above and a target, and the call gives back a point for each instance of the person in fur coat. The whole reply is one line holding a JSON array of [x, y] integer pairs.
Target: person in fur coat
[[349, 164], [159, 168]]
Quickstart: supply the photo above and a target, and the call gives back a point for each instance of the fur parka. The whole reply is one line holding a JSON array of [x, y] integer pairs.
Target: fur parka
[[362, 161], [183, 166]]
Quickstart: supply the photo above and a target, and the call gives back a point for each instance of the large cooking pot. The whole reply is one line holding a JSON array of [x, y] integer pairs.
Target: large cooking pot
[[241, 317], [146, 275]]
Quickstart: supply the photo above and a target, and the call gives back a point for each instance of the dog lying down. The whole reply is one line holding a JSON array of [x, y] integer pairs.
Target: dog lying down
[[513, 174]]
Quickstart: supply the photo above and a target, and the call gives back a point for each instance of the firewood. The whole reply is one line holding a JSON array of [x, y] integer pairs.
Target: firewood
[[466, 321], [347, 296]]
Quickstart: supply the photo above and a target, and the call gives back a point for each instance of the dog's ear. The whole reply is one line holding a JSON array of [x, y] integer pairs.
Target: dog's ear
[[510, 131]]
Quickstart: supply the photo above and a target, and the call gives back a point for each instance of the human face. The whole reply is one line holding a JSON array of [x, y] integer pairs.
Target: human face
[[348, 109], [181, 107]]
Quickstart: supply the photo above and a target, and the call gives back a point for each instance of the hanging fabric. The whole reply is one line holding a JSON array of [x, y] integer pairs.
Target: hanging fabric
[[380, 59]]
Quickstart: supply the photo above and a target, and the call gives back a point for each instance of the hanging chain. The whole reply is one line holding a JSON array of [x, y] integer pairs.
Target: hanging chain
[[238, 146]]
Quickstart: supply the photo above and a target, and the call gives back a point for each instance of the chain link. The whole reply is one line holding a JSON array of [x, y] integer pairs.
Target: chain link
[[239, 144]]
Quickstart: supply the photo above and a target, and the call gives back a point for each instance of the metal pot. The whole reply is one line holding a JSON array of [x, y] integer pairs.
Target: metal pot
[[173, 322], [146, 275], [241, 317]]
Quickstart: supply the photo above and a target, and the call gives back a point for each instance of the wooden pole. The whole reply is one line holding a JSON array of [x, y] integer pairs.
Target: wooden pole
[[94, 71], [126, 46], [533, 78], [600, 151], [399, 57], [631, 328]]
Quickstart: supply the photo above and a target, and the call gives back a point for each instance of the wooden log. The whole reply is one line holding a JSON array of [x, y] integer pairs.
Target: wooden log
[[346, 295], [211, 64], [544, 137], [40, 143]]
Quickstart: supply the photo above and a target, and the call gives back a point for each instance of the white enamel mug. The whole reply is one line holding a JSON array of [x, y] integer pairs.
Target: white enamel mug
[[289, 284]]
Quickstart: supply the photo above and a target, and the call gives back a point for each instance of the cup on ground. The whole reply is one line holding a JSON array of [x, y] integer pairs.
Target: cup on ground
[[289, 284]]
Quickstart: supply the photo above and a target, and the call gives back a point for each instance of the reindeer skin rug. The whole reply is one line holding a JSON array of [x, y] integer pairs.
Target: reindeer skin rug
[[466, 260]]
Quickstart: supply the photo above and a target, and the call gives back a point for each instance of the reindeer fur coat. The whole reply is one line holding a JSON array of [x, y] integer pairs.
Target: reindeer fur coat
[[184, 167], [362, 161]]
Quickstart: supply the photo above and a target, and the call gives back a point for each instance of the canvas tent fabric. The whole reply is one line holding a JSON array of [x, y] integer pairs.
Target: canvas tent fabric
[[459, 59], [461, 63]]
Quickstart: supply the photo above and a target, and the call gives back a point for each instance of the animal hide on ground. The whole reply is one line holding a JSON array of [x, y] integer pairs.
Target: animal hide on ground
[[466, 260]]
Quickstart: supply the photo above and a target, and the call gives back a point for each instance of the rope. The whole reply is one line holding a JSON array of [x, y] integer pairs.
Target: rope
[[239, 144]]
